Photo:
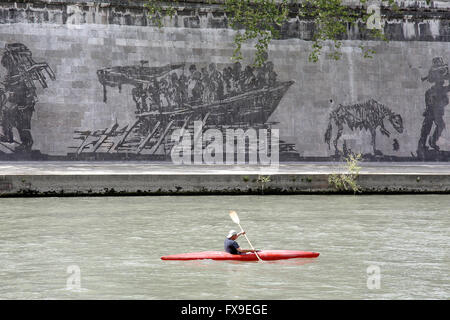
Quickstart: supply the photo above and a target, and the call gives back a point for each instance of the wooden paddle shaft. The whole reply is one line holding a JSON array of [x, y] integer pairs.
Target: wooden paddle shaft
[[249, 242]]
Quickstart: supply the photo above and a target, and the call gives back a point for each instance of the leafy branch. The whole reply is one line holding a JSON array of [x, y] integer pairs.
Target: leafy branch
[[158, 9], [347, 181], [260, 21]]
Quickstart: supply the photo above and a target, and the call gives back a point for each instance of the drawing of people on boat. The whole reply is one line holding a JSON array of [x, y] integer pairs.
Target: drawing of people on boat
[[174, 96]]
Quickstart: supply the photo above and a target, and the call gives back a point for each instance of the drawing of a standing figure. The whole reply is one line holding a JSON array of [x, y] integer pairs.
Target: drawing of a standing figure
[[436, 100], [20, 94]]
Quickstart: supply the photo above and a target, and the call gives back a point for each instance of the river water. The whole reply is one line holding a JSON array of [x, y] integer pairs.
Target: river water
[[110, 247]]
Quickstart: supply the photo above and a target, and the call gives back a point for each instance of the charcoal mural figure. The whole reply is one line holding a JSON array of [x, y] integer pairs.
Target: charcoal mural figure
[[370, 115], [174, 96], [436, 100], [18, 95]]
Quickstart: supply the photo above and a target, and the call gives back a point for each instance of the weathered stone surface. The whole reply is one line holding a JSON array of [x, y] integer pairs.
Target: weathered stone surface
[[414, 20], [78, 39]]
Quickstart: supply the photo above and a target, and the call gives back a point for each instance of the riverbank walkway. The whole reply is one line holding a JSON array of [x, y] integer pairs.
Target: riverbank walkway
[[129, 178]]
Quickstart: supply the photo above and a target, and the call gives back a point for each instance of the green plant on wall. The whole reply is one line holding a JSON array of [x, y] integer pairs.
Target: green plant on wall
[[347, 181], [263, 181], [260, 21]]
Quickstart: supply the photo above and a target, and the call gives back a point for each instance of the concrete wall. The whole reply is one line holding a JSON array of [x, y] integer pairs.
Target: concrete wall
[[218, 184], [92, 49]]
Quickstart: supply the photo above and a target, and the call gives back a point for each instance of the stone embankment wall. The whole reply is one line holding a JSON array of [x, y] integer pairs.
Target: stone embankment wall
[[93, 80]]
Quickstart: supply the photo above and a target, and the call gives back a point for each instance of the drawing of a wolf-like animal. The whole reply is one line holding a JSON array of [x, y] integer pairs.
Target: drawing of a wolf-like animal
[[369, 115]]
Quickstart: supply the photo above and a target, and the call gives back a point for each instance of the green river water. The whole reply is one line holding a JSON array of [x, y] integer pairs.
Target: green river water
[[116, 243]]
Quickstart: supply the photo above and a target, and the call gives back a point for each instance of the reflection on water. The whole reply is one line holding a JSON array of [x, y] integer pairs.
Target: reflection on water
[[117, 244]]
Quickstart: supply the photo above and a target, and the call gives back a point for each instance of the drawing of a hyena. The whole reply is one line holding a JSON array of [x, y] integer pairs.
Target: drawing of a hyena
[[369, 115]]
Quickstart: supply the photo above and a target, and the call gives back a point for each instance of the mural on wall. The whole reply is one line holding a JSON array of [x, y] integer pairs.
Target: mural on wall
[[436, 100], [173, 97], [18, 96], [229, 96], [370, 116]]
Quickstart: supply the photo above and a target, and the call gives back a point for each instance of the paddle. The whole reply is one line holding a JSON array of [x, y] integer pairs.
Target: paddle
[[235, 218]]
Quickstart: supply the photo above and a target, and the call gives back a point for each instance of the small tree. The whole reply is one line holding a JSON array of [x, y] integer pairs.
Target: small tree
[[262, 181], [347, 181]]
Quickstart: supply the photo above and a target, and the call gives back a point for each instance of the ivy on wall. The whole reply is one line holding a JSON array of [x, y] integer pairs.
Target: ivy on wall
[[260, 21]]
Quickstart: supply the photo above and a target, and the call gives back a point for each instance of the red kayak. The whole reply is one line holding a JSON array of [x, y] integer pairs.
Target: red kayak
[[263, 254]]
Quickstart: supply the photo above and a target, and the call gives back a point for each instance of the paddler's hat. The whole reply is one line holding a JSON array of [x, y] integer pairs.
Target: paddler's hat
[[231, 233]]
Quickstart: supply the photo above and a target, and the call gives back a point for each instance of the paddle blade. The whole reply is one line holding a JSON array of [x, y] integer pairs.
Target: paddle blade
[[234, 217]]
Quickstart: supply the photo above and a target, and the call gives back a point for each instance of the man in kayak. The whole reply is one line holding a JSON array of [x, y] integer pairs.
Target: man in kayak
[[231, 246]]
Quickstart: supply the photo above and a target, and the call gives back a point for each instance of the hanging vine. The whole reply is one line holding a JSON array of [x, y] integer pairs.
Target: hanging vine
[[260, 21]]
